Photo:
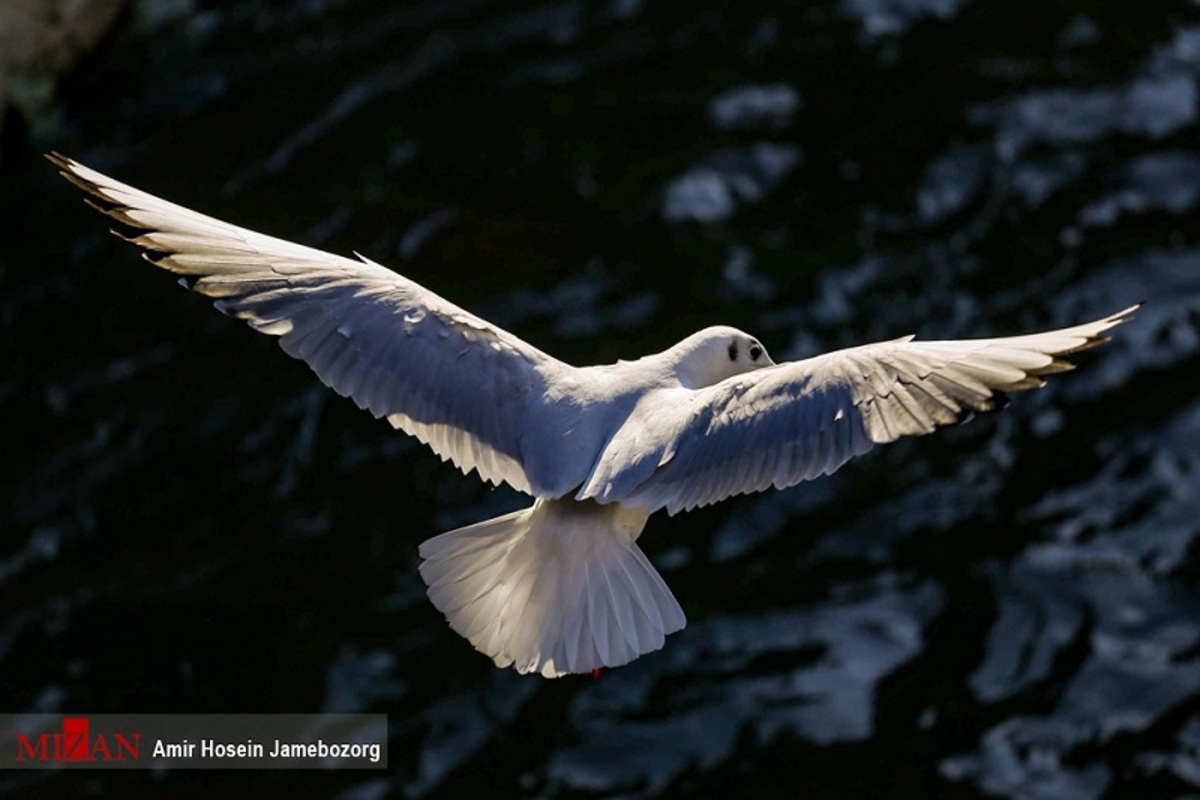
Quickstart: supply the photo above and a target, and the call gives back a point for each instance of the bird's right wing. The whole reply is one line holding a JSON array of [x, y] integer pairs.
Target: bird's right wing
[[454, 381], [795, 421]]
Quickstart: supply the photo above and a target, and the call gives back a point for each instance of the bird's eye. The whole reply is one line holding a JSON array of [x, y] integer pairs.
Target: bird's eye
[[755, 351], [733, 351]]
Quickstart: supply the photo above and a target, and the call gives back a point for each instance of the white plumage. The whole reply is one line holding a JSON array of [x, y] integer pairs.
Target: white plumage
[[562, 587], [556, 588]]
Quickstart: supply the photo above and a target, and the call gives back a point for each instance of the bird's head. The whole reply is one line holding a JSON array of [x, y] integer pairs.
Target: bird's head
[[717, 353]]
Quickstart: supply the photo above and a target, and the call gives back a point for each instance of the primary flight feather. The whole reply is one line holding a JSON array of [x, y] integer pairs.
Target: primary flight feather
[[562, 587]]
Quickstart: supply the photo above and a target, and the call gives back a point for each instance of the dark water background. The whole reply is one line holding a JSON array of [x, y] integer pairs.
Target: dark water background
[[1012, 608]]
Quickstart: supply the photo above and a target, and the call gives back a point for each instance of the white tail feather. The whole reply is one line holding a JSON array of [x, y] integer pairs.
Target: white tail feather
[[560, 587]]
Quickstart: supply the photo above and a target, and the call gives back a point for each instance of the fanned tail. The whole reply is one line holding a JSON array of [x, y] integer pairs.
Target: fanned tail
[[560, 587]]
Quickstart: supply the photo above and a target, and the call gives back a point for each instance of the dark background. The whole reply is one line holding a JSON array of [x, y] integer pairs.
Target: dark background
[[190, 522]]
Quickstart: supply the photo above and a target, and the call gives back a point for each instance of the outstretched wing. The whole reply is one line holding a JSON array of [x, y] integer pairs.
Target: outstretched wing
[[795, 421], [454, 381]]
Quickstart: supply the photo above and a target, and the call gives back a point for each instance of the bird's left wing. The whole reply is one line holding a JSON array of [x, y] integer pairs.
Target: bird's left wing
[[456, 382], [795, 421]]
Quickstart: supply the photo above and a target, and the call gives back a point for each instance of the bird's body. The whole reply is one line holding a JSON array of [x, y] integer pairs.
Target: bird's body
[[562, 587]]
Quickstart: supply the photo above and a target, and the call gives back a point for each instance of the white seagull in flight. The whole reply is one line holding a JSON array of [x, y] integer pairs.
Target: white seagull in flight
[[562, 587]]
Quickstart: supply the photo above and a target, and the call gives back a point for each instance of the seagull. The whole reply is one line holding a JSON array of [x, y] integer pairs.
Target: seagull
[[562, 587]]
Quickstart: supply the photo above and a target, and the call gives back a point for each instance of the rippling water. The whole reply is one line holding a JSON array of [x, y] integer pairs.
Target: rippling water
[[1010, 608]]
